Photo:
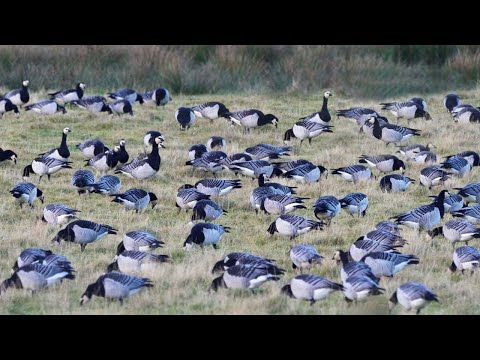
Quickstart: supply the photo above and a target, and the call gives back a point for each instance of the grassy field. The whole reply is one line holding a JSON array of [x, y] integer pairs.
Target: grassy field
[[181, 287]]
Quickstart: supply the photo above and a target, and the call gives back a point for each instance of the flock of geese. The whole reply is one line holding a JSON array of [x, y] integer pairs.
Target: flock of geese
[[371, 257]]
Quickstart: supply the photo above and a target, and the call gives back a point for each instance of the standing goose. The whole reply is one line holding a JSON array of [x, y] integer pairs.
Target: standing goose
[[354, 173], [93, 104], [187, 198], [243, 258], [310, 287], [293, 225], [83, 180], [185, 117], [91, 148], [433, 176], [407, 109], [323, 116], [457, 231], [210, 161], [243, 277], [412, 296], [359, 287], [107, 185], [452, 203], [457, 165], [8, 155], [395, 183], [384, 163], [6, 105], [126, 94], [388, 263], [58, 214], [255, 168], [207, 210], [426, 157], [210, 110], [304, 257], [205, 234], [134, 261], [465, 258], [67, 96], [121, 107], [116, 286], [20, 96], [358, 115], [146, 167], [62, 152], [281, 204], [306, 173], [451, 101], [136, 199], [26, 193], [30, 256], [352, 268], [326, 208], [306, 130], [470, 192], [105, 161], [390, 133], [251, 118], [83, 232], [355, 203], [139, 240], [469, 213], [275, 187], [410, 151], [361, 248], [47, 107], [217, 187], [45, 166], [197, 151], [150, 137]]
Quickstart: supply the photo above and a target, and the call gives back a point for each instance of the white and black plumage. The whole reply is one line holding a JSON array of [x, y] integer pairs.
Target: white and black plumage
[[116, 286], [30, 256], [433, 176], [469, 213], [19, 97], [384, 237], [470, 192], [104, 161], [267, 151], [384, 163], [243, 277], [457, 165], [466, 115], [107, 185], [395, 183], [187, 197], [425, 217], [6, 105], [360, 287], [126, 94], [8, 155], [254, 168], [83, 180], [210, 161], [310, 287], [421, 103], [293, 225], [275, 187], [93, 104], [457, 231], [353, 173], [355, 203], [161, 97], [67, 96], [142, 168], [281, 204], [83, 232], [306, 130], [26, 193], [207, 210], [258, 195], [407, 109], [361, 248], [121, 107], [197, 151], [37, 277], [233, 159], [185, 117], [122, 154], [410, 151], [62, 152], [134, 261], [150, 137], [451, 101], [412, 296], [352, 268], [45, 166], [58, 214], [47, 107], [426, 157], [57, 260], [136, 199], [452, 203], [323, 116], [465, 258], [244, 258], [357, 114], [139, 240], [304, 257], [367, 126], [388, 263], [326, 208], [205, 234], [388, 226], [290, 165], [390, 133], [210, 110], [251, 118], [471, 156], [217, 187], [91, 148], [306, 173]]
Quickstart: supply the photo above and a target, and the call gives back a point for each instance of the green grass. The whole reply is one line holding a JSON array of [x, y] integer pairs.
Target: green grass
[[181, 287]]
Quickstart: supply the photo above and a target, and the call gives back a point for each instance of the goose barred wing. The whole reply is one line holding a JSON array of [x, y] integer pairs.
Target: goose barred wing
[[143, 238], [133, 195], [23, 187], [416, 290], [60, 209], [467, 253], [131, 282], [318, 282], [248, 271], [300, 170], [305, 253]]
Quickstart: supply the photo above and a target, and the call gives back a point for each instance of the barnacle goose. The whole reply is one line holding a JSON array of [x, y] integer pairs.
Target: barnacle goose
[[197, 151], [281, 204], [388, 226], [360, 248], [150, 137], [360, 287], [358, 115], [233, 159], [20, 96], [407, 109], [243, 277], [8, 155], [471, 156], [91, 148], [395, 183], [466, 115], [210, 161], [323, 116], [104, 161], [243, 258], [6, 105], [267, 151], [67, 96], [83, 180], [216, 142], [457, 165], [390, 133], [426, 157], [185, 117], [469, 213], [451, 101], [26, 193], [136, 199], [412, 296], [452, 203], [367, 126], [126, 94], [304, 257], [122, 154], [93, 104], [217, 187], [290, 165], [30, 256], [58, 214], [306, 130], [107, 185], [45, 166], [207, 210], [275, 187], [326, 208], [433, 175], [410, 151], [210, 110], [251, 118], [187, 197], [354, 173], [457, 231], [62, 152], [139, 240], [310, 287], [355, 203], [121, 107], [384, 163], [134, 261], [56, 260], [388, 263], [293, 225], [205, 234], [470, 192], [161, 97], [255, 168], [384, 237], [306, 173], [465, 258], [352, 268], [48, 107]]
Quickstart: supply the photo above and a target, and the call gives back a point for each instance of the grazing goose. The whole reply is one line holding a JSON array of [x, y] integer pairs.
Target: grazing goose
[[407, 109], [433, 176], [105, 161], [197, 151], [250, 119], [306, 173], [83, 232], [45, 166], [290, 165], [58, 214], [388, 226], [361, 248], [121, 107], [133, 261], [310, 287], [465, 258], [26, 193], [62, 152], [426, 157], [243, 277], [67, 96], [255, 168], [326, 208], [47, 107], [261, 152], [306, 130], [139, 240], [281, 204], [422, 104], [469, 213], [30, 256], [258, 195], [452, 203], [37, 277], [8, 155], [150, 137], [207, 210], [6, 105], [210, 110], [352, 268], [210, 161], [384, 163], [126, 94], [359, 287], [93, 104], [384, 237], [243, 258], [471, 156], [412, 296], [83, 180], [390, 133], [457, 231], [143, 168], [323, 116], [122, 154], [161, 97], [293, 225], [395, 183], [353, 173], [470, 192], [425, 217], [185, 117], [358, 115], [304, 257], [410, 151], [388, 263], [107, 185], [136, 199], [217, 187], [275, 187], [56, 260], [355, 203], [91, 148], [467, 115], [233, 159], [205, 234], [116, 286], [20, 96], [457, 165], [451, 101], [188, 196]]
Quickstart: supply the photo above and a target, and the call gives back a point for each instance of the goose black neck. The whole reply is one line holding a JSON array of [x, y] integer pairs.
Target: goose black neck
[[154, 157], [325, 102], [79, 92], [377, 129], [344, 257], [440, 203], [63, 150]]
